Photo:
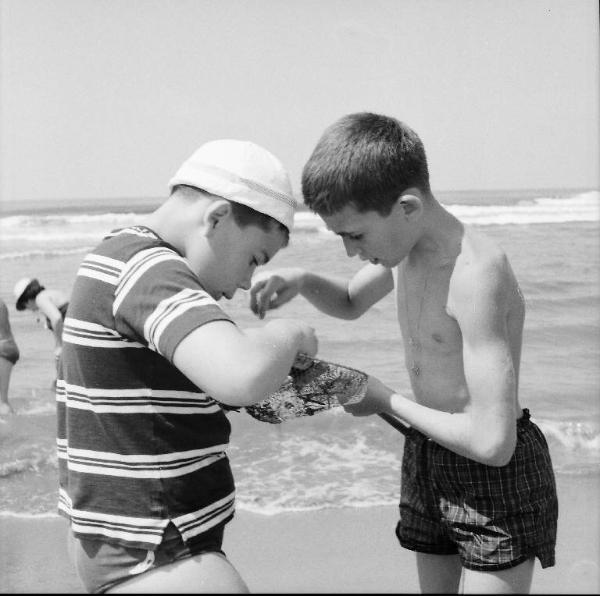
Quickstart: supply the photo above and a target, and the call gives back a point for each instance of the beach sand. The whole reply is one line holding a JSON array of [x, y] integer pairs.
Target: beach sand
[[325, 551]]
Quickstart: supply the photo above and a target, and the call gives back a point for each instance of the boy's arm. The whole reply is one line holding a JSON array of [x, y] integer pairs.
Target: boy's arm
[[160, 303], [486, 432], [332, 296], [481, 306], [237, 367], [45, 304]]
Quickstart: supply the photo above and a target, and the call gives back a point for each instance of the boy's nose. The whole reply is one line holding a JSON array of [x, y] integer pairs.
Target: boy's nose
[[350, 247]]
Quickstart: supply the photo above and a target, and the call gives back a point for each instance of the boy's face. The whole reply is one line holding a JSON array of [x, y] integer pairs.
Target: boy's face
[[234, 254], [379, 239]]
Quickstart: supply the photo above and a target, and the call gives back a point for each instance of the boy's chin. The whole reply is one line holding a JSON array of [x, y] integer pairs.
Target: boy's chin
[[215, 294], [383, 263]]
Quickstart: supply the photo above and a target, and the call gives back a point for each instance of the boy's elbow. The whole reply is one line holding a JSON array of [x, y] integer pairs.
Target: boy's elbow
[[499, 453], [500, 459], [246, 388], [240, 394], [353, 312]]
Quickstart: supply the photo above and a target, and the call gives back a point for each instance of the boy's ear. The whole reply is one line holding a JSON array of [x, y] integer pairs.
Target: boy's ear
[[217, 212], [410, 202]]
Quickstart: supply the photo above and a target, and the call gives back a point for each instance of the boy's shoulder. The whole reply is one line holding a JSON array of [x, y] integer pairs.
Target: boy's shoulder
[[480, 255], [130, 234], [482, 267], [123, 243]]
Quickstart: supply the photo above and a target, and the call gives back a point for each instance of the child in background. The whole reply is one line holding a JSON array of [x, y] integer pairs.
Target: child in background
[[52, 303], [478, 496], [150, 365]]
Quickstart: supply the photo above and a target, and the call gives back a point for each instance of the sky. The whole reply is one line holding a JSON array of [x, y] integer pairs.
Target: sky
[[106, 98]]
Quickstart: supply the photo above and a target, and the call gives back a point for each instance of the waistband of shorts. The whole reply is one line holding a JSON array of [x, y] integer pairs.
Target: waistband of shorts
[[525, 418]]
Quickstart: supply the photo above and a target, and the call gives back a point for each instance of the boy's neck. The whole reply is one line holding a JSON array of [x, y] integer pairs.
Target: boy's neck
[[171, 223], [441, 237]]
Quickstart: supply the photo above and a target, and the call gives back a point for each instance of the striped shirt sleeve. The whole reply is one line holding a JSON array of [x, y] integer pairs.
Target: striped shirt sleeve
[[159, 301]]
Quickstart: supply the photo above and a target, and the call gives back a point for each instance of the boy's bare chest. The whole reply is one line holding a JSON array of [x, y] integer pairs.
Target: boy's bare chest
[[426, 326]]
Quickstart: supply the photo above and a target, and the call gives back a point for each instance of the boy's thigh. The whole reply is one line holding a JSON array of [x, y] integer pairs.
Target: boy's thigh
[[444, 574], [206, 573], [515, 580], [438, 574]]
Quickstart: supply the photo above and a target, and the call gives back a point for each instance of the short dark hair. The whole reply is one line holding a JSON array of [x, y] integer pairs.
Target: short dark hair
[[365, 160], [246, 216], [243, 215]]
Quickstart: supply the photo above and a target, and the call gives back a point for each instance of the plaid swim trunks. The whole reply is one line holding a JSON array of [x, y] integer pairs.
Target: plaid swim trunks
[[494, 518]]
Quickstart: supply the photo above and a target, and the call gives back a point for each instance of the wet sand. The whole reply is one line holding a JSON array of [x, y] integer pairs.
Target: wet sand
[[345, 550]]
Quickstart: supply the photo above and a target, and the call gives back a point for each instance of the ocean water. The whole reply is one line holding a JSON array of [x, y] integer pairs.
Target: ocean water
[[331, 459]]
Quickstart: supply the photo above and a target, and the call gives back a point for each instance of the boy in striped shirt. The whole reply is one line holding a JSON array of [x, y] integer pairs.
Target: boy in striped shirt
[[150, 363]]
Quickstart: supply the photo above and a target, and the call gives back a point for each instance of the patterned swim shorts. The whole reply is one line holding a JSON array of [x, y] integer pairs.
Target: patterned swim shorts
[[494, 518]]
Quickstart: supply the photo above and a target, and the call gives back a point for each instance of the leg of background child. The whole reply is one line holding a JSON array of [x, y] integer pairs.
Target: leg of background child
[[206, 573], [5, 372], [516, 580], [438, 573]]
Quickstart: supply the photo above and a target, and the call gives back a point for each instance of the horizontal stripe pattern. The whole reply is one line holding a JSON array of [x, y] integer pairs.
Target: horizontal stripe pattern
[[101, 268], [192, 524], [94, 335], [122, 527], [159, 466], [138, 265], [171, 309], [146, 530], [135, 436], [142, 400]]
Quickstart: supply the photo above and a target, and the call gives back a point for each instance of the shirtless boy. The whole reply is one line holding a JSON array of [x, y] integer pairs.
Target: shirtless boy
[[478, 497]]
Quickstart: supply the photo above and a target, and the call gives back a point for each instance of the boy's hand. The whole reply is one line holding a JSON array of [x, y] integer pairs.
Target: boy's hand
[[308, 342], [272, 289], [376, 400]]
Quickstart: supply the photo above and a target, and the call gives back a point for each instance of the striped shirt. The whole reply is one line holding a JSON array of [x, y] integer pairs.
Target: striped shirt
[[139, 444]]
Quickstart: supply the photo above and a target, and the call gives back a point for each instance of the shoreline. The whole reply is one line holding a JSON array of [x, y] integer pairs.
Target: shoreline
[[344, 550], [90, 204]]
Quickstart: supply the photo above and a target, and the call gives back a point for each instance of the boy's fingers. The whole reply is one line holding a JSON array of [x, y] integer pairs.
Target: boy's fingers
[[267, 297], [276, 301], [256, 287], [267, 294], [259, 297]]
